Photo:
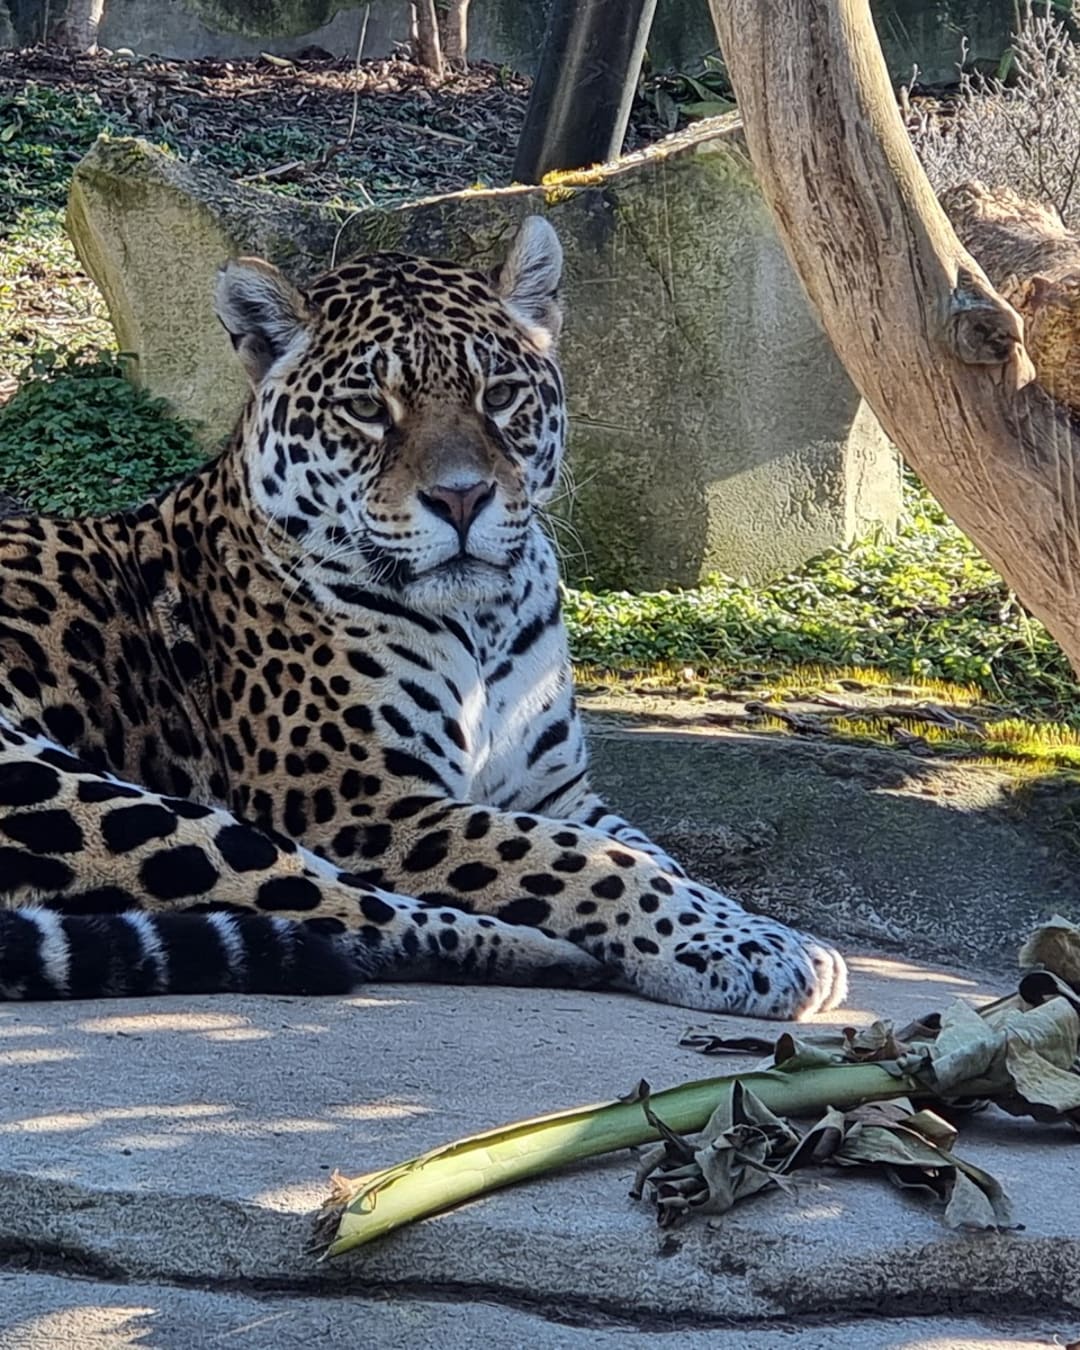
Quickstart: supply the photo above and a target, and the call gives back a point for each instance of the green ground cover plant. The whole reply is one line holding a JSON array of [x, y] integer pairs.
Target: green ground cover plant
[[79, 439], [46, 302], [44, 133], [921, 606]]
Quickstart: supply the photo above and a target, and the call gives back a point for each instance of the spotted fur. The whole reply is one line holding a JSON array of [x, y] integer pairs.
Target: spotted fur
[[307, 719]]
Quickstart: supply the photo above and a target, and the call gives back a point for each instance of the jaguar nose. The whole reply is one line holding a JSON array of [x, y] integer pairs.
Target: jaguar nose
[[459, 505]]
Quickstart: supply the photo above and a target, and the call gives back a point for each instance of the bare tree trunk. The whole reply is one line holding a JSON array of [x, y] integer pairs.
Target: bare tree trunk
[[936, 353], [79, 26], [428, 47], [1034, 261], [455, 34]]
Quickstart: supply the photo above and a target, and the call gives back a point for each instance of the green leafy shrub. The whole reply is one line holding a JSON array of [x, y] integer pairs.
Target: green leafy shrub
[[78, 439]]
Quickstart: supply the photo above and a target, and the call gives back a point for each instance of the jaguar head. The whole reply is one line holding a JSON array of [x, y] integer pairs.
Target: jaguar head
[[407, 418]]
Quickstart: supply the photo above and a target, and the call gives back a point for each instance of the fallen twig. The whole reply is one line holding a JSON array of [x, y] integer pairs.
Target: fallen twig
[[430, 131]]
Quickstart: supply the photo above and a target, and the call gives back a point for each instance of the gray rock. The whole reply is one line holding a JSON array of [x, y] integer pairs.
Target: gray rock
[[152, 232], [712, 428]]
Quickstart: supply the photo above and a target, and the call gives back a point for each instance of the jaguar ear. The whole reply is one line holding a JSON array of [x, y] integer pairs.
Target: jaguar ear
[[262, 312], [528, 280]]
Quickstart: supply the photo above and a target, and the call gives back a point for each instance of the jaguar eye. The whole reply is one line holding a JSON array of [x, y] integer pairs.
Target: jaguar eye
[[367, 409], [499, 396], [366, 413]]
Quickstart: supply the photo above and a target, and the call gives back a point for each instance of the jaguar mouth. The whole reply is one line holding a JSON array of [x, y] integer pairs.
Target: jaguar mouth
[[462, 565], [463, 580]]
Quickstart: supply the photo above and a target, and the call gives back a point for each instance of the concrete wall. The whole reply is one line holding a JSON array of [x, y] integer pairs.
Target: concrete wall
[[923, 32], [712, 428]]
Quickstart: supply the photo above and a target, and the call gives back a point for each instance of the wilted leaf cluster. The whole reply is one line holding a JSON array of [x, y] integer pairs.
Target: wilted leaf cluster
[[746, 1148], [1019, 1053]]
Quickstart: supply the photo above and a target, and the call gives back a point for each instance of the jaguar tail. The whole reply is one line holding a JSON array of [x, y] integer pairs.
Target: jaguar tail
[[45, 955]]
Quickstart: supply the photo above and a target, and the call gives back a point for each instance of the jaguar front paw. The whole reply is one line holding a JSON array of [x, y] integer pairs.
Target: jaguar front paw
[[759, 969]]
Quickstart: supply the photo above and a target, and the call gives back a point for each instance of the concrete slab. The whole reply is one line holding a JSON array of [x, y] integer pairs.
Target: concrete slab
[[41, 1312], [187, 1142]]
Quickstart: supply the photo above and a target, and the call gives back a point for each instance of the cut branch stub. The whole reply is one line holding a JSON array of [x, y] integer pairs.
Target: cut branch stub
[[983, 330], [1034, 261]]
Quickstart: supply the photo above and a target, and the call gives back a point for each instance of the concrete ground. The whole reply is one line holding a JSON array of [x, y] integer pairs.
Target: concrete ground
[[160, 1161], [44, 1312]]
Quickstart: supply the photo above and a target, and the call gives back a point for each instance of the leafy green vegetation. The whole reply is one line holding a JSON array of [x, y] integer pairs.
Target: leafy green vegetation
[[924, 605], [44, 133], [679, 95], [244, 155], [78, 438], [46, 301]]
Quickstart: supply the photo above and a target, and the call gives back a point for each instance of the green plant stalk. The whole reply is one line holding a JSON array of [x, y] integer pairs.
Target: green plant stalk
[[453, 1173]]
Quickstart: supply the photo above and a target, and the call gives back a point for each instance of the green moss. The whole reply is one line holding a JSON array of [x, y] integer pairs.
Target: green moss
[[846, 705], [381, 230]]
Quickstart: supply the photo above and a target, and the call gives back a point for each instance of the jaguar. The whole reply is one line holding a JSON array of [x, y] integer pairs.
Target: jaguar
[[307, 719]]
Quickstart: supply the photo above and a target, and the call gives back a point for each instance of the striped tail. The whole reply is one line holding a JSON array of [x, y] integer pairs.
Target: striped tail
[[45, 955]]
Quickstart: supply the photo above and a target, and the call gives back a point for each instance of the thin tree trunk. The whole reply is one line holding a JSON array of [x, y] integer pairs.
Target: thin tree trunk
[[455, 34], [428, 47], [937, 354], [79, 27]]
